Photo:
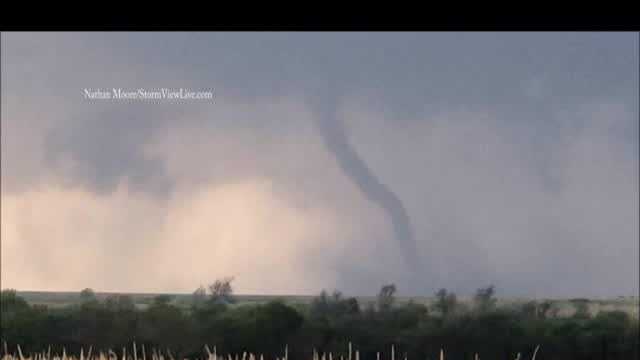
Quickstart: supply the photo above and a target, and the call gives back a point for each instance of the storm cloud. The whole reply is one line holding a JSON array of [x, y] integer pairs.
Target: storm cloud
[[515, 157]]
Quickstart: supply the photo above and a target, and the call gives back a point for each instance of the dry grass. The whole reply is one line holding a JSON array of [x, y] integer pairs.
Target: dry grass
[[141, 354]]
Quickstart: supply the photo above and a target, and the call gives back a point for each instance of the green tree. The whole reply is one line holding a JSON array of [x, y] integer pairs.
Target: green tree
[[88, 299], [199, 297], [446, 302], [11, 304], [333, 306], [87, 295], [120, 303], [543, 310], [221, 291], [581, 308], [19, 322], [165, 324], [529, 310], [332, 320], [386, 297], [276, 323], [484, 299], [162, 300]]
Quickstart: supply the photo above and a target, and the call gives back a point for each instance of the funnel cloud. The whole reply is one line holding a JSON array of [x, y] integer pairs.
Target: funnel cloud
[[334, 135]]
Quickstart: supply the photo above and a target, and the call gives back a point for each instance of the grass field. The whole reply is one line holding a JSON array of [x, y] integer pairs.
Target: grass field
[[210, 356], [564, 307], [157, 354]]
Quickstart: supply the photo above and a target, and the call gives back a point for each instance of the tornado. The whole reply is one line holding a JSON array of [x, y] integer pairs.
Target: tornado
[[335, 137]]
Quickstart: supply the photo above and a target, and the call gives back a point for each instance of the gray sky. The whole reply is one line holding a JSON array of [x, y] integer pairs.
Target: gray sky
[[513, 155]]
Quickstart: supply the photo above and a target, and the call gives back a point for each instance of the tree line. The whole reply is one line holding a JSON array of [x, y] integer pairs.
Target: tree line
[[327, 324]]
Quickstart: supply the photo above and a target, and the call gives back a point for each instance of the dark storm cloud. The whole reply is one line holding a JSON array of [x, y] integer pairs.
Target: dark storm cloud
[[513, 157], [107, 145], [404, 75]]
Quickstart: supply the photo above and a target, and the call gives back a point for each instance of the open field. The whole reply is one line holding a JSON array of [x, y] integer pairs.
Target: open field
[[564, 307]]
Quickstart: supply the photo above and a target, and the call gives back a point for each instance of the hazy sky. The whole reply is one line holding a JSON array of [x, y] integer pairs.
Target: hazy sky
[[513, 155]]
